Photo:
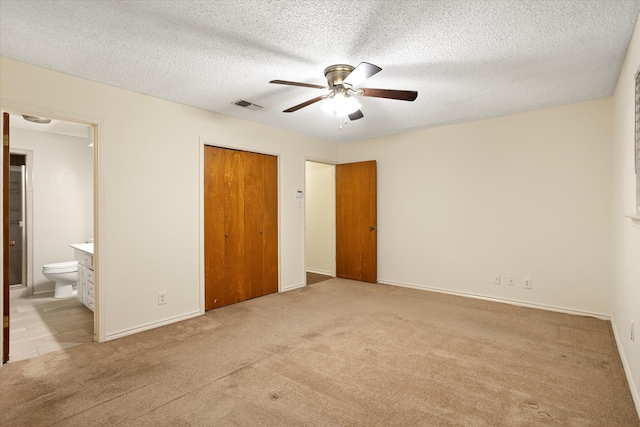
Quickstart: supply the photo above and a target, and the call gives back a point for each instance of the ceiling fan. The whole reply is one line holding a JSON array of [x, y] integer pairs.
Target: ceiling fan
[[343, 81]]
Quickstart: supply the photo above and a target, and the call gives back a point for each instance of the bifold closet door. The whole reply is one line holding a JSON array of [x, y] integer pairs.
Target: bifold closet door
[[270, 223], [241, 231], [214, 225], [260, 225]]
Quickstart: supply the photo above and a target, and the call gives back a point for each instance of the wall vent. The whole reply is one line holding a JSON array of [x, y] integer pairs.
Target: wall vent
[[249, 105]]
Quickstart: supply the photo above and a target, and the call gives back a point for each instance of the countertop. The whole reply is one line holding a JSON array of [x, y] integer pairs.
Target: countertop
[[85, 247]]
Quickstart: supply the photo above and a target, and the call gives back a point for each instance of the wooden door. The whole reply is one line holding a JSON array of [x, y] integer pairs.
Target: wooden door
[[5, 237], [214, 234], [241, 226], [235, 283], [356, 221], [253, 224], [270, 223]]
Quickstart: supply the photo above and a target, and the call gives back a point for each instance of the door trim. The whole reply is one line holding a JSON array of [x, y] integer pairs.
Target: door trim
[[97, 123], [242, 146]]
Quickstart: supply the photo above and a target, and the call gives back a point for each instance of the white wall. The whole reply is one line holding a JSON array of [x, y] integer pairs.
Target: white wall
[[626, 238], [320, 218], [522, 195], [149, 190], [62, 196]]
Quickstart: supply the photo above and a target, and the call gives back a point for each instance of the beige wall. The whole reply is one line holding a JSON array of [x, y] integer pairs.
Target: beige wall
[[525, 195], [625, 286], [150, 190]]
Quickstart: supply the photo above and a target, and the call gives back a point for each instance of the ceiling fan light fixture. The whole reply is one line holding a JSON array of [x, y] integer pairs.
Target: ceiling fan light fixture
[[34, 119], [340, 105]]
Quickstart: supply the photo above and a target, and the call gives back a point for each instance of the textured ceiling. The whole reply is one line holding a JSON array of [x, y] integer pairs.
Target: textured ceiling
[[467, 59]]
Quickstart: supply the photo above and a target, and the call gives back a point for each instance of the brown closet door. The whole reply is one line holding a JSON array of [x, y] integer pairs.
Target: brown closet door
[[234, 211], [214, 238], [241, 226], [270, 221], [253, 224]]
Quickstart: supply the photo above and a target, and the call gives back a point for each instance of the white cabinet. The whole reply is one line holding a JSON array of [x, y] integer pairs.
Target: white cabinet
[[86, 287]]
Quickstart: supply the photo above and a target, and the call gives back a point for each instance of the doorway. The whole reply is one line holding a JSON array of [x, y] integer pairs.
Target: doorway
[[320, 221], [341, 220], [62, 155]]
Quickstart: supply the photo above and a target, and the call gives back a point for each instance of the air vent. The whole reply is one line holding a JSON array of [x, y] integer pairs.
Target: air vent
[[249, 105]]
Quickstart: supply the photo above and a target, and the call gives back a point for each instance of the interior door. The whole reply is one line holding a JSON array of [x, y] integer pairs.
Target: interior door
[[5, 237], [356, 221]]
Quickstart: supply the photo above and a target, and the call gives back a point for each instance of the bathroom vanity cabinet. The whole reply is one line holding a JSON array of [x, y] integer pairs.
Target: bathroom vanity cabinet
[[83, 253]]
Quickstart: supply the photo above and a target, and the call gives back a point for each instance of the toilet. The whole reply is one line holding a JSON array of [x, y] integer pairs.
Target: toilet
[[65, 275]]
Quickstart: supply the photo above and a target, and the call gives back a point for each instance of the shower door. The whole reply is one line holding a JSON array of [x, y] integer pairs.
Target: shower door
[[17, 252]]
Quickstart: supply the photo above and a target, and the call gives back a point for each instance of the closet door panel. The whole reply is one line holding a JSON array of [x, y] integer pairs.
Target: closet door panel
[[234, 226], [214, 240], [270, 218], [253, 224]]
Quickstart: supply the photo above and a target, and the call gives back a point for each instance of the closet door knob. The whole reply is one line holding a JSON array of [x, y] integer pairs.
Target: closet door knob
[[226, 234], [261, 231]]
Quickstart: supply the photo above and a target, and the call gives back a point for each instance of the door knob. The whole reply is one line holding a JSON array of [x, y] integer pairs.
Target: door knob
[[373, 228], [260, 231], [226, 234], [12, 242]]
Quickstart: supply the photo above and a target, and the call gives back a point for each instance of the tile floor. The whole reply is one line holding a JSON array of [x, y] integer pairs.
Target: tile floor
[[41, 324]]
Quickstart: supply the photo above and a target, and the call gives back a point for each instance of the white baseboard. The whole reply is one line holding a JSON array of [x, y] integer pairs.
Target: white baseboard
[[152, 325], [635, 393], [501, 300], [292, 287], [323, 272]]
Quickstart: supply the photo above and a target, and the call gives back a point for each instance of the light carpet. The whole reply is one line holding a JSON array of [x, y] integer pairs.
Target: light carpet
[[336, 353]]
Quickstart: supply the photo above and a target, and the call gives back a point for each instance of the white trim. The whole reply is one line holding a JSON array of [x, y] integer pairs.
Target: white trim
[[97, 124], [151, 325], [500, 300], [292, 287], [635, 393], [326, 273]]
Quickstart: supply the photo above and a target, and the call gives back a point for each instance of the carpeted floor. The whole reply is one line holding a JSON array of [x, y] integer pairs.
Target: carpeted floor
[[316, 278], [338, 353]]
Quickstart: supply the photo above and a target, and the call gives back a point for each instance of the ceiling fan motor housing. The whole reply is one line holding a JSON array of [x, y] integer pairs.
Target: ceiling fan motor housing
[[336, 74]]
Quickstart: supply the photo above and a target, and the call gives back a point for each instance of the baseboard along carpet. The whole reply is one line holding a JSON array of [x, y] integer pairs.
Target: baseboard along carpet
[[338, 353]]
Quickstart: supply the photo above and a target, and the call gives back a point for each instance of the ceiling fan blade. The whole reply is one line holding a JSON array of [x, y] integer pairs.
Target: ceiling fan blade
[[357, 115], [285, 82], [402, 95], [304, 104], [361, 73]]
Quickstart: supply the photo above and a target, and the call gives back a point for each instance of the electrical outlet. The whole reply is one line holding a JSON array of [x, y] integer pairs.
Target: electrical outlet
[[496, 279], [162, 298], [527, 282], [512, 281], [632, 332]]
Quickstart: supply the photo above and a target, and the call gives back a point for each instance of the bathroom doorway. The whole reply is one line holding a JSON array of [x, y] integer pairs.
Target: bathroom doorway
[[61, 155]]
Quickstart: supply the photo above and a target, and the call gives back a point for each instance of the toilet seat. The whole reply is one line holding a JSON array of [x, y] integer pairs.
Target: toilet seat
[[61, 267]]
